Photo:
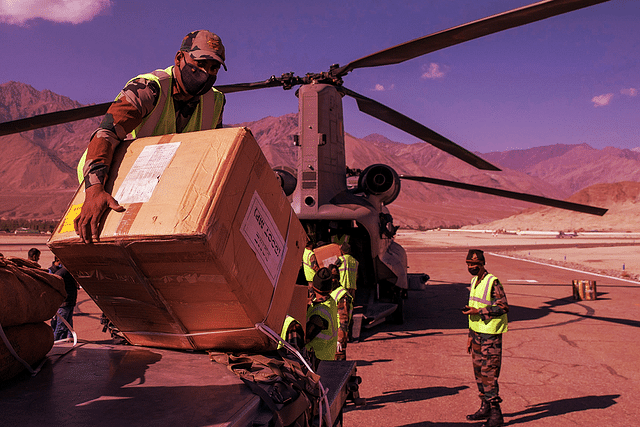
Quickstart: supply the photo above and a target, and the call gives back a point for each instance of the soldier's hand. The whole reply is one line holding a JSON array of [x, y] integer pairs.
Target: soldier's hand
[[470, 310], [469, 345], [96, 203]]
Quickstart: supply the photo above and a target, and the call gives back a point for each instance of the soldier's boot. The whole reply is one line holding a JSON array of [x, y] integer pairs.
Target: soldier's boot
[[482, 413], [495, 416]]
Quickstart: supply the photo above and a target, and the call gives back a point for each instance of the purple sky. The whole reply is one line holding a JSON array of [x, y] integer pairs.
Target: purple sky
[[569, 79]]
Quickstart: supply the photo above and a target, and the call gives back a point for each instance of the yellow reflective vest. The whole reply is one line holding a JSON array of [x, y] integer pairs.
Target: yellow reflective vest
[[337, 294], [285, 328], [162, 119], [309, 272], [348, 271], [325, 343], [480, 297]]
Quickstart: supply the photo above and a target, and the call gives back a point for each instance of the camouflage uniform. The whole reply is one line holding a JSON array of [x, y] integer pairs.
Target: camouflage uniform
[[486, 349], [345, 307]]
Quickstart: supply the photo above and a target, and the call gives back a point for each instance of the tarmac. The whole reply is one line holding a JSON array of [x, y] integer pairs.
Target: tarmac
[[565, 361]]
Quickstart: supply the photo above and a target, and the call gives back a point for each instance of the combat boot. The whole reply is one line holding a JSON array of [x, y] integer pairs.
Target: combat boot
[[482, 413], [495, 416]]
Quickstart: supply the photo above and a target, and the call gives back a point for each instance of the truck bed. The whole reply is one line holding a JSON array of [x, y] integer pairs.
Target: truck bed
[[98, 384]]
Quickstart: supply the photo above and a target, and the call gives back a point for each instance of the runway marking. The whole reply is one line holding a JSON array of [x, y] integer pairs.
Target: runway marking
[[523, 280], [564, 268]]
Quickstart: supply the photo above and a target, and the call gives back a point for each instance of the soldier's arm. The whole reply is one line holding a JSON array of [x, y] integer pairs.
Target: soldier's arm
[[314, 263], [500, 306], [343, 310], [315, 324], [133, 104]]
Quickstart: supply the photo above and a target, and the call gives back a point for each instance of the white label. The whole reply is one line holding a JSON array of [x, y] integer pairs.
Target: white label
[[261, 233], [145, 173]]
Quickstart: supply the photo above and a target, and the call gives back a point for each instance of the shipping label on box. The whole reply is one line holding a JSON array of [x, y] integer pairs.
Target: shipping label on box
[[262, 234]]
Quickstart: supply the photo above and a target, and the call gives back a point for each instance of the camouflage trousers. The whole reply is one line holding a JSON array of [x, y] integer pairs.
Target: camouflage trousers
[[486, 354]]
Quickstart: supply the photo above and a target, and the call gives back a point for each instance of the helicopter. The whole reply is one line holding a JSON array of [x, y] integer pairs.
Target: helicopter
[[329, 208]]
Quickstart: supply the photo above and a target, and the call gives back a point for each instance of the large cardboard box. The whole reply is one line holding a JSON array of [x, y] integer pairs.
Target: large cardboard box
[[207, 248], [327, 254]]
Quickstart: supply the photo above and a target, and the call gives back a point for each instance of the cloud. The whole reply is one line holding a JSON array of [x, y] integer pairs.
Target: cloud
[[381, 88], [18, 12], [629, 92], [602, 100], [433, 71]]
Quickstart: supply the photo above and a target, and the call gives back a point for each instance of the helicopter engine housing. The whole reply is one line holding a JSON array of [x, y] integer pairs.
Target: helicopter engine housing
[[381, 181]]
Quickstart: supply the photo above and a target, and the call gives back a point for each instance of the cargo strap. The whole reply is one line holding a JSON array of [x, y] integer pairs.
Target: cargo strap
[[196, 334], [290, 391], [73, 333]]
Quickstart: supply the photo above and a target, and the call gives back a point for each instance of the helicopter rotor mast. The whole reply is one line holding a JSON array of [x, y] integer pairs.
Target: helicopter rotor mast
[[333, 78]]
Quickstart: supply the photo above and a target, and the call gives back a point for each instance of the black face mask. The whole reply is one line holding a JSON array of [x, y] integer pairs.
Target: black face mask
[[195, 81], [474, 270]]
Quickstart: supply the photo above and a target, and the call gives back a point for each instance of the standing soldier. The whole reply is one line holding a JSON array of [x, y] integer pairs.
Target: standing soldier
[[487, 311], [344, 303], [348, 267], [322, 318], [309, 266]]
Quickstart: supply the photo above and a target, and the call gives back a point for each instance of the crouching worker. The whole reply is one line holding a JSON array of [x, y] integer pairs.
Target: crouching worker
[[322, 330]]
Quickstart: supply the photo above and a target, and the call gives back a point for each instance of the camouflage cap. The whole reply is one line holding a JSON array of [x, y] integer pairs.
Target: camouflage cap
[[475, 256], [323, 281], [203, 44]]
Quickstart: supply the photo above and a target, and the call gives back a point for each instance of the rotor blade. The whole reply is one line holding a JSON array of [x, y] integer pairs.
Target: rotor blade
[[59, 117], [511, 195], [402, 122], [241, 87], [472, 30], [51, 119]]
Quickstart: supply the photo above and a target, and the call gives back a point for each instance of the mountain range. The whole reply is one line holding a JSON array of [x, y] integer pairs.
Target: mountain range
[[38, 176]]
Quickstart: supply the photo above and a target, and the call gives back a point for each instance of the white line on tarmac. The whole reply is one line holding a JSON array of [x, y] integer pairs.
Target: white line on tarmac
[[564, 268]]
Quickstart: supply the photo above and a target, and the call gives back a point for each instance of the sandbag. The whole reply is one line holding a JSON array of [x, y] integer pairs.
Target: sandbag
[[28, 294], [31, 342]]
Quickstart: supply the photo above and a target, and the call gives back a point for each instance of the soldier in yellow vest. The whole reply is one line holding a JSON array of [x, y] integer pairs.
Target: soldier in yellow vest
[[487, 311], [293, 333], [178, 99], [309, 267], [348, 267], [321, 334], [344, 303]]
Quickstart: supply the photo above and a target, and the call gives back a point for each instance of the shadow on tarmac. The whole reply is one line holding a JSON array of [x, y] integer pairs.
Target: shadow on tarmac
[[438, 308], [532, 413], [561, 407], [409, 395]]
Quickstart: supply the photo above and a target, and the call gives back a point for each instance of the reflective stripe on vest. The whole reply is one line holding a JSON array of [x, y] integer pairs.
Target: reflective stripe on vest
[[162, 121], [325, 343], [480, 297], [309, 273], [348, 271]]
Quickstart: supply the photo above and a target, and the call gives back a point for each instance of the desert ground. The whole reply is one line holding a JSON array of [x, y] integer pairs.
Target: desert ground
[[615, 254], [566, 361]]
